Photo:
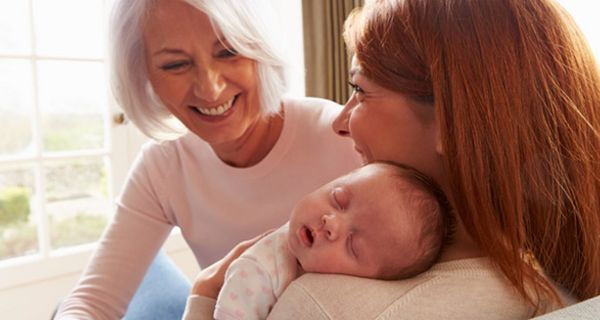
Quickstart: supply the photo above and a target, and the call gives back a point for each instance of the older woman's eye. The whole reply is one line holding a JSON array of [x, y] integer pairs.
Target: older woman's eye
[[227, 53], [175, 66]]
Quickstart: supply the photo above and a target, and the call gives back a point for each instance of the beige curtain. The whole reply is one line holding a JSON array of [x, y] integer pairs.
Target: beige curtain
[[325, 57]]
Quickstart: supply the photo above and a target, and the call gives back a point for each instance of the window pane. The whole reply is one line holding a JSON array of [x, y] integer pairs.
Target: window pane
[[72, 98], [15, 27], [69, 28], [18, 231], [76, 201], [16, 105]]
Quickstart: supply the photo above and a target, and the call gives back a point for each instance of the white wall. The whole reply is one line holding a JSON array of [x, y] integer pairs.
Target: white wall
[[290, 14]]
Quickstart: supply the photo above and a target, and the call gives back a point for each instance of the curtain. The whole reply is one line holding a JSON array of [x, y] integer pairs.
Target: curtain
[[325, 57]]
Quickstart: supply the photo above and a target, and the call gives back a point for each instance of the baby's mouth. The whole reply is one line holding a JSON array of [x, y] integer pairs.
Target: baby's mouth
[[307, 236]]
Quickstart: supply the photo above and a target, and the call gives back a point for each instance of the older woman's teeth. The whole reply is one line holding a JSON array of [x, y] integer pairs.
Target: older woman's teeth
[[218, 110]]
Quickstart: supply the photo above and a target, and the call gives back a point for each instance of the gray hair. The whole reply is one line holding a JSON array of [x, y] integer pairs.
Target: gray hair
[[247, 26]]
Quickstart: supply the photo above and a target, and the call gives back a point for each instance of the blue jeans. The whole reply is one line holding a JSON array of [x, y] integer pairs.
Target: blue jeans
[[162, 294]]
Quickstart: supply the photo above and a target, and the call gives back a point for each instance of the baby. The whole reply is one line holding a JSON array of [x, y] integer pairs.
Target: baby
[[381, 221]]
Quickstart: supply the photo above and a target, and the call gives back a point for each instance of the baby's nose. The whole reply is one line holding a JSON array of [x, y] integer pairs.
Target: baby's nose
[[333, 226]]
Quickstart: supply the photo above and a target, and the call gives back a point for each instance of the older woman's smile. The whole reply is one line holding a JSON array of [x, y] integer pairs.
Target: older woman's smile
[[219, 110]]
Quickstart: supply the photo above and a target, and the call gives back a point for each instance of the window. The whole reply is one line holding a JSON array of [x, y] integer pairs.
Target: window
[[61, 158]]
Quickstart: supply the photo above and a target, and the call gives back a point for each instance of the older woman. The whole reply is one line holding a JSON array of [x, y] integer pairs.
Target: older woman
[[498, 101], [248, 154]]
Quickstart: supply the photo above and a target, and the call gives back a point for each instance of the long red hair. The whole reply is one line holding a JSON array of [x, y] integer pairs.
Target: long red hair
[[517, 94]]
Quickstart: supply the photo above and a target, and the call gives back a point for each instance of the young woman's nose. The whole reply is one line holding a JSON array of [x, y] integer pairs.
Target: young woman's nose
[[209, 84], [340, 124]]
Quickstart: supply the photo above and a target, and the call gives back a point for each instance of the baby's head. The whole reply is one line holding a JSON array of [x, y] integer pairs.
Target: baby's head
[[381, 221]]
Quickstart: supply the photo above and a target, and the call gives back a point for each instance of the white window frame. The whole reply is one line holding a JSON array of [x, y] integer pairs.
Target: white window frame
[[47, 263], [122, 143]]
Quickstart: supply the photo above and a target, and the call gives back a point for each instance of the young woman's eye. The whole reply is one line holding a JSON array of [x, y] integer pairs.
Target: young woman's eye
[[357, 91], [227, 53], [355, 88], [174, 66]]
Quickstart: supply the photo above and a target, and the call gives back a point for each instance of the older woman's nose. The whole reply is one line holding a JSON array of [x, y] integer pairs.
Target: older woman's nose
[[340, 124], [209, 84]]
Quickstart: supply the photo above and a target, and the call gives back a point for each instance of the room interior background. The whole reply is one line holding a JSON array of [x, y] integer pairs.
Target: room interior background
[[65, 151]]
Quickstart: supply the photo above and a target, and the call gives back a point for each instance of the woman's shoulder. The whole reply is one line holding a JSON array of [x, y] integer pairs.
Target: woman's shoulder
[[454, 290], [167, 158], [175, 148]]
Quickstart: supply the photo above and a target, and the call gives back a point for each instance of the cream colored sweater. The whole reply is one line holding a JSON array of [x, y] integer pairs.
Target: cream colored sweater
[[461, 289]]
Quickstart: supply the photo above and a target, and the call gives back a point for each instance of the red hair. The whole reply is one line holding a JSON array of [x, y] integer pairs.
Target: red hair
[[516, 91]]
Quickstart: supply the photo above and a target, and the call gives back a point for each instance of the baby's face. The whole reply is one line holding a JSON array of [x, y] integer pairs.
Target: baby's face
[[353, 225]]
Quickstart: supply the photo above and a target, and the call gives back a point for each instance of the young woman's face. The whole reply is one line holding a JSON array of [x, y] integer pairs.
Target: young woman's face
[[212, 90], [386, 125]]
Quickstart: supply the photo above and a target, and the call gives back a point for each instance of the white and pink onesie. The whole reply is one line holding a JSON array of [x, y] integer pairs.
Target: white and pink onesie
[[257, 278]]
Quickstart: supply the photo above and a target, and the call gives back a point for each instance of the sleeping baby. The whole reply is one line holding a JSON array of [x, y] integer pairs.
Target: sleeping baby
[[381, 221]]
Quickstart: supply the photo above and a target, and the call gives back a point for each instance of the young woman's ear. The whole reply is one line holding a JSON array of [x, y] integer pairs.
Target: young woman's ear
[[438, 140]]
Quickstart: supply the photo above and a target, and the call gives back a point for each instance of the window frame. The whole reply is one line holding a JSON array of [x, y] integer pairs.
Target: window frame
[[122, 144]]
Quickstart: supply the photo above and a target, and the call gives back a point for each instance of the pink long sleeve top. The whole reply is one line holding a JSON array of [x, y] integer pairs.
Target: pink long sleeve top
[[183, 183]]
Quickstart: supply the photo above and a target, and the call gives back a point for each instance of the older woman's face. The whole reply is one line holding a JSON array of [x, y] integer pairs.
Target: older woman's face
[[386, 125], [213, 91]]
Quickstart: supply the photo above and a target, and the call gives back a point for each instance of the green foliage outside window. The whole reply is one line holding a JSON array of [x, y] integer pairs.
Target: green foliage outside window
[[18, 235], [79, 229], [18, 240], [14, 205]]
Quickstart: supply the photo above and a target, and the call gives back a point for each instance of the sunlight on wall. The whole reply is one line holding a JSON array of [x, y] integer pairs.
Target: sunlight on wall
[[290, 14]]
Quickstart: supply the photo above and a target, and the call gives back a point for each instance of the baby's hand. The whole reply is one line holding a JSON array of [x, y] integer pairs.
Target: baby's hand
[[209, 281]]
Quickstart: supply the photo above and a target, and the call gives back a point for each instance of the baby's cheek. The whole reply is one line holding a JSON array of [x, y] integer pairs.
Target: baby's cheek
[[324, 262]]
